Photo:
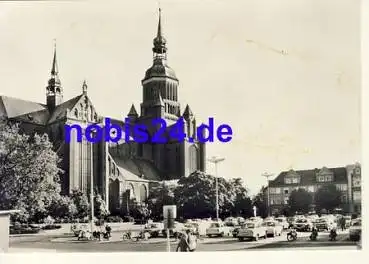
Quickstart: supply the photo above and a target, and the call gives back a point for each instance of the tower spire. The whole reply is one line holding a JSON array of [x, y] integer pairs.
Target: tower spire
[[54, 68], [159, 48]]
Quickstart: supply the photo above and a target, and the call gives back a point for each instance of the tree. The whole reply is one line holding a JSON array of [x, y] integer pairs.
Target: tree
[[62, 207], [80, 200], [300, 200], [100, 210], [159, 195], [29, 173], [327, 197], [242, 204], [260, 203]]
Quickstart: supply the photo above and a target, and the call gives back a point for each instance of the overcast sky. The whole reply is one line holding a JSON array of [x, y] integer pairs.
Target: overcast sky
[[285, 75]]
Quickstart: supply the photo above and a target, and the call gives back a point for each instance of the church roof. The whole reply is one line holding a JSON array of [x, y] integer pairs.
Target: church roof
[[32, 112], [137, 167], [60, 110]]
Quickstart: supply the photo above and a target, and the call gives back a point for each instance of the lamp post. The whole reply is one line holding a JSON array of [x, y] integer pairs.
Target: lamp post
[[267, 175], [92, 187], [215, 161]]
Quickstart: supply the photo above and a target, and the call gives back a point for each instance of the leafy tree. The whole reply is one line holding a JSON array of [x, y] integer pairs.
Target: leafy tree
[[81, 202], [62, 207], [327, 197], [29, 173], [195, 195], [300, 200], [159, 195], [100, 209], [242, 204]]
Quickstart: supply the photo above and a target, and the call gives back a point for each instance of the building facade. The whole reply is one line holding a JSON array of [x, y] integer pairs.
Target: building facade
[[120, 171], [346, 179]]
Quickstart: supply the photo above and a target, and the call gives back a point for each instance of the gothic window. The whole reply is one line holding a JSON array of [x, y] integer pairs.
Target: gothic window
[[76, 112], [109, 161], [113, 169], [193, 158], [131, 191]]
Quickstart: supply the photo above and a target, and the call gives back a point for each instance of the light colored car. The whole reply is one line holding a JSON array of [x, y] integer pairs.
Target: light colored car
[[231, 221], [218, 229], [273, 228], [283, 222], [355, 230], [154, 229], [252, 230]]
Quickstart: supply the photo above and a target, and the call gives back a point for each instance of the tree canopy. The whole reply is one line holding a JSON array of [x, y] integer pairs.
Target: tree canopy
[[300, 200], [327, 197], [29, 173], [195, 196]]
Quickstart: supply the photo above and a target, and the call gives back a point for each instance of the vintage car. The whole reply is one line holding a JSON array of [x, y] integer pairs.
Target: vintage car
[[154, 229], [252, 230], [218, 229], [283, 222], [178, 228], [193, 227], [235, 231], [303, 224], [231, 221], [355, 230], [322, 224], [273, 228], [347, 221]]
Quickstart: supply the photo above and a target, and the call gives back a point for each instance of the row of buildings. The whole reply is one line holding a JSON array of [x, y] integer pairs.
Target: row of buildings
[[122, 171], [346, 179]]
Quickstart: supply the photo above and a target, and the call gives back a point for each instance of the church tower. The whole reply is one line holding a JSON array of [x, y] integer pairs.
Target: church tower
[[54, 91], [160, 85]]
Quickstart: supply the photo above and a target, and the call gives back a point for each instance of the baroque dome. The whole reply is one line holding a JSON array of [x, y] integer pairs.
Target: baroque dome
[[160, 69]]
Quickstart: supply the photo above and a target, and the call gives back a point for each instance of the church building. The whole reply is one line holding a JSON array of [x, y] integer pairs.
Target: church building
[[121, 172]]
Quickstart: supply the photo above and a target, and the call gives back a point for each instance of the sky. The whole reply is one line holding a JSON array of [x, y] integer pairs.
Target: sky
[[285, 75]]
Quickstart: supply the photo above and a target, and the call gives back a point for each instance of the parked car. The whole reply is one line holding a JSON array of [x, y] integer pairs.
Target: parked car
[[303, 224], [255, 219], [273, 228], [178, 228], [283, 222], [355, 230], [348, 221], [218, 229], [240, 220], [193, 227], [252, 230], [235, 231], [231, 221], [154, 229]]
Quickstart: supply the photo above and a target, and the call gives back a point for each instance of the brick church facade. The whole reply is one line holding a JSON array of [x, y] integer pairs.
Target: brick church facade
[[125, 170]]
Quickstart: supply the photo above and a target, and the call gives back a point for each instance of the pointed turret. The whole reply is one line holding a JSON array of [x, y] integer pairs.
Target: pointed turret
[[188, 114], [54, 91], [132, 112], [84, 87]]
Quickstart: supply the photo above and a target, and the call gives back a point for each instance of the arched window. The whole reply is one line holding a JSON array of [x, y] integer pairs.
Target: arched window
[[76, 112], [131, 189], [143, 193]]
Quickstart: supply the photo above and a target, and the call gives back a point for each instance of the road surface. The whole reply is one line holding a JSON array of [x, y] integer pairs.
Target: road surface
[[69, 244]]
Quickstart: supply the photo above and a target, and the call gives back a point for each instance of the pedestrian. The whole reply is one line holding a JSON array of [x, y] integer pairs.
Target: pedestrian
[[183, 243], [343, 223], [192, 241]]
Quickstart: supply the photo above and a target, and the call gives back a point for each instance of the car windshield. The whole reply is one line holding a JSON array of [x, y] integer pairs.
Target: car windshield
[[301, 221], [214, 225], [356, 223], [279, 220], [270, 223], [250, 225]]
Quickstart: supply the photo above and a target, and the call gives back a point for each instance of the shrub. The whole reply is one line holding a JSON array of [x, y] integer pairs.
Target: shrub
[[114, 219]]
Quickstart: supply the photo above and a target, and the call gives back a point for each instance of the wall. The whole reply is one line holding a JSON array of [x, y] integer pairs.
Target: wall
[[4, 232]]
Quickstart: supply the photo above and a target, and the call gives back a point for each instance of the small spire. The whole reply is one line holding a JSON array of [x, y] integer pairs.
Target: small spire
[[187, 113], [159, 25], [84, 87], [132, 111], [54, 68]]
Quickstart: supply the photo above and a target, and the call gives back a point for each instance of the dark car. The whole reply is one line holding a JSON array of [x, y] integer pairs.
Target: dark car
[[303, 225], [235, 231]]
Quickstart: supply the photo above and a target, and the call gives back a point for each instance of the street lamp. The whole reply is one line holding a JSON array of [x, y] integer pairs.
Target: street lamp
[[215, 161], [267, 175]]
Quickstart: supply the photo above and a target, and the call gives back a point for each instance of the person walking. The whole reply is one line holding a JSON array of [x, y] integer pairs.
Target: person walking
[[183, 243], [192, 241]]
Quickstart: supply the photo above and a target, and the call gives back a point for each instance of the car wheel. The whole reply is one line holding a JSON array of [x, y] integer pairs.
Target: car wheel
[[240, 239], [221, 234]]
